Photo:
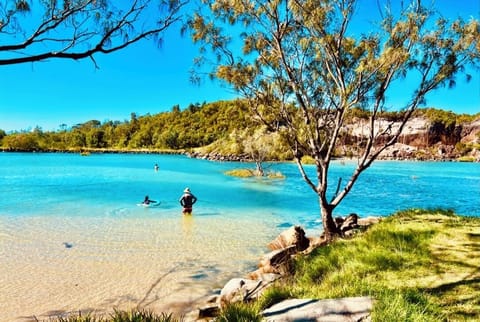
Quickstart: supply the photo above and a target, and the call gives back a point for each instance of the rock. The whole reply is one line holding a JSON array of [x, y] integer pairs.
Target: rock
[[338, 221], [295, 235], [208, 311], [260, 274], [238, 290], [368, 221], [278, 261], [332, 310], [349, 223], [269, 278], [315, 242]]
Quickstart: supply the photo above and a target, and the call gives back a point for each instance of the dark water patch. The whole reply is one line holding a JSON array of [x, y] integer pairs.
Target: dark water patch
[[199, 276], [285, 225]]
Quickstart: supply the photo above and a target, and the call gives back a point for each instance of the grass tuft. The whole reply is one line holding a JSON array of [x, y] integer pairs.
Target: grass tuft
[[239, 312], [273, 295], [121, 316]]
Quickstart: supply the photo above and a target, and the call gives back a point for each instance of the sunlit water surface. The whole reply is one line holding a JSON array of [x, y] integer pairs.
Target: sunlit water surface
[[73, 238]]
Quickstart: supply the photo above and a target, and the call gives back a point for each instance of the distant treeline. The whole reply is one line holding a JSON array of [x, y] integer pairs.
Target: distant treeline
[[198, 125]]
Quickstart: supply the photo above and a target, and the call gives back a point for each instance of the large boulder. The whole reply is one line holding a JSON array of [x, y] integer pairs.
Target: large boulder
[[277, 262], [350, 224], [368, 221], [294, 236], [331, 310]]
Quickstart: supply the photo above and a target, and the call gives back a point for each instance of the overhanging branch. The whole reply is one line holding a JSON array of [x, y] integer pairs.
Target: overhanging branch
[[114, 31]]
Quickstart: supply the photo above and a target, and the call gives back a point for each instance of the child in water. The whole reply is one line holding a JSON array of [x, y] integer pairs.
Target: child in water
[[148, 201]]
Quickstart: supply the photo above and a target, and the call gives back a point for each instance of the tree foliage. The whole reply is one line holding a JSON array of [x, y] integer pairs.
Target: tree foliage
[[303, 68], [33, 31], [163, 131]]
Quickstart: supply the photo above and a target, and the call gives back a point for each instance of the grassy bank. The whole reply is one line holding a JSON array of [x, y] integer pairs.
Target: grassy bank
[[418, 265]]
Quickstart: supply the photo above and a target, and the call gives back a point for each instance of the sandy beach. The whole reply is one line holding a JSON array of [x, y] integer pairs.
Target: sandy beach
[[49, 269]]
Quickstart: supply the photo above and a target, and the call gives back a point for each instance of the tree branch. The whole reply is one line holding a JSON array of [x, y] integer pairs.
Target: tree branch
[[114, 30]]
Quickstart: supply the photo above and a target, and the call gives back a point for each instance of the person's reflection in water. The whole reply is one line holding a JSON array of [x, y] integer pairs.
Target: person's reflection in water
[[187, 226]]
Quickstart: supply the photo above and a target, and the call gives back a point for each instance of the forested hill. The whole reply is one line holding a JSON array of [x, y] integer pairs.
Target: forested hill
[[197, 125], [228, 128]]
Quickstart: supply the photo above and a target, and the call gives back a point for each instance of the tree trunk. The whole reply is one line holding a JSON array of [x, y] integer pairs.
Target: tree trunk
[[330, 229], [260, 171]]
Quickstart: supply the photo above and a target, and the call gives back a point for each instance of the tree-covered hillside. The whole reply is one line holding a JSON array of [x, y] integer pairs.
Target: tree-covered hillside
[[224, 128], [198, 125]]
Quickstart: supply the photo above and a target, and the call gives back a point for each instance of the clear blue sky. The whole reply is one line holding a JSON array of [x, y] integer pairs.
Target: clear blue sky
[[147, 79]]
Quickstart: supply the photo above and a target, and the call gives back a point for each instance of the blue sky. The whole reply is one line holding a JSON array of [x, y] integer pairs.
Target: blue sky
[[147, 79]]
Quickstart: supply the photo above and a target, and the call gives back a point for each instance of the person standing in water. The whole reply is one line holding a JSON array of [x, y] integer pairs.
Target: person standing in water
[[187, 200]]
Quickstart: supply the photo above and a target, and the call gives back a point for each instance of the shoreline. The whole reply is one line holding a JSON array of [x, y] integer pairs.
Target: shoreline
[[95, 151], [217, 157]]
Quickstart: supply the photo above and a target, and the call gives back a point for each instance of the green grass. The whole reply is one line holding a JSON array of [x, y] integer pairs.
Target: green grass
[[418, 265], [273, 295], [239, 312]]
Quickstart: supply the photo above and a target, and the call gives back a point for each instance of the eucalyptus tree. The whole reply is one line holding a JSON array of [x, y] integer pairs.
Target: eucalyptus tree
[[32, 31], [303, 67]]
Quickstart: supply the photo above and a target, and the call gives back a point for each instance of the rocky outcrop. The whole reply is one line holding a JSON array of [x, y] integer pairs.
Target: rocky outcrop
[[421, 139], [470, 132]]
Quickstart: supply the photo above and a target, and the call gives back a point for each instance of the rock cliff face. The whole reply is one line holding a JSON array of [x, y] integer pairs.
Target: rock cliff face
[[422, 139]]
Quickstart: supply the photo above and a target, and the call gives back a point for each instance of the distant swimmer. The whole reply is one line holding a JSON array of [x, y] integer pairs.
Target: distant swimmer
[[148, 201], [187, 200], [156, 167]]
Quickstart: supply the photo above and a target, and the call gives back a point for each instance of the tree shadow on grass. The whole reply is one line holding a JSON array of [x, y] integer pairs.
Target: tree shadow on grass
[[461, 294], [465, 307]]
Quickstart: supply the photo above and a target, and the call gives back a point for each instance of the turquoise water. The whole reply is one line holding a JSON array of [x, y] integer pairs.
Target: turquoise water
[[112, 184], [72, 236]]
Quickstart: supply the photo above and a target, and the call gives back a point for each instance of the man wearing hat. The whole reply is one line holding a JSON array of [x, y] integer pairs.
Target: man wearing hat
[[187, 200]]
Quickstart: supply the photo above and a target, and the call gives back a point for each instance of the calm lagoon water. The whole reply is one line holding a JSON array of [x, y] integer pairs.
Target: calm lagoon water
[[73, 238]]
